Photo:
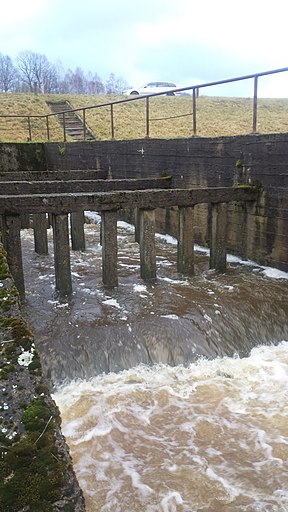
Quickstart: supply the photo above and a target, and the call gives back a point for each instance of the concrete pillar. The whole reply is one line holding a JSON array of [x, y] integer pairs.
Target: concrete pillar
[[185, 249], [77, 231], [62, 254], [167, 220], [12, 244], [109, 248], [40, 233], [137, 224], [101, 229], [147, 245], [25, 220], [1, 228], [218, 236]]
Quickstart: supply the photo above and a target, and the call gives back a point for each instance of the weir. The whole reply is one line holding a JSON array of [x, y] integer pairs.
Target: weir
[[60, 199]]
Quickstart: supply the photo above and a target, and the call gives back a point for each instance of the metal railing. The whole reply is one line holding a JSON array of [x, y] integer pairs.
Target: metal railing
[[195, 92]]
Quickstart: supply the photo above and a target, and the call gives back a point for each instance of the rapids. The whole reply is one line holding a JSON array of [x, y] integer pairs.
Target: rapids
[[173, 396], [209, 437]]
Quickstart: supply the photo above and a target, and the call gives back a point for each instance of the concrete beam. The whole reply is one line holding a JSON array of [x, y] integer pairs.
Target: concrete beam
[[53, 175], [76, 186], [101, 201], [185, 249]]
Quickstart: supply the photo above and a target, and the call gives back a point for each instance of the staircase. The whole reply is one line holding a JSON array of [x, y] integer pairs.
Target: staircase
[[74, 125]]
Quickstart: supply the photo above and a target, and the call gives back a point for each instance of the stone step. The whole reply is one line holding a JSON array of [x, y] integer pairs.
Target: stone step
[[73, 123]]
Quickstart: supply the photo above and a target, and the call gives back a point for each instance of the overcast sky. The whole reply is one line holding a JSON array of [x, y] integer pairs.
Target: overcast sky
[[184, 41]]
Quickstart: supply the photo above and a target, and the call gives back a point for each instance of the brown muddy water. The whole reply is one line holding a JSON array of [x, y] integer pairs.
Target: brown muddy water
[[173, 396]]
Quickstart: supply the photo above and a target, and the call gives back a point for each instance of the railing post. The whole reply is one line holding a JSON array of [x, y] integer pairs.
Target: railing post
[[194, 111], [112, 121], [29, 128], [64, 127], [84, 123], [47, 127], [147, 117], [255, 104]]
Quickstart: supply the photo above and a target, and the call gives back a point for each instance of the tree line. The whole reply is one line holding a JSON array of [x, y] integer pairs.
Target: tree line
[[33, 72]]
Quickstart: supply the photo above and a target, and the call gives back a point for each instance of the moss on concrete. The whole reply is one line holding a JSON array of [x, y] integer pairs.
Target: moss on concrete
[[22, 156], [36, 473]]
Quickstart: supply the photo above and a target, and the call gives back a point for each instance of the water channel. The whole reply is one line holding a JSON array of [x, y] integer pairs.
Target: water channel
[[173, 396]]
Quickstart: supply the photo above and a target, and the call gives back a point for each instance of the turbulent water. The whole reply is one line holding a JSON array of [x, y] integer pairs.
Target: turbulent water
[[210, 437], [190, 413]]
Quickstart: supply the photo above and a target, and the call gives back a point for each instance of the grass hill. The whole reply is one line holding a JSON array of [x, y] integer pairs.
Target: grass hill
[[169, 116]]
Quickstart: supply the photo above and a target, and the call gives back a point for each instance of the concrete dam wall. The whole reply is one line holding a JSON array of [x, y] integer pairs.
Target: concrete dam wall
[[195, 162]]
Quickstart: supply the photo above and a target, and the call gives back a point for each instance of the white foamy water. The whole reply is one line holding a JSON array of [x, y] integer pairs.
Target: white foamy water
[[212, 436]]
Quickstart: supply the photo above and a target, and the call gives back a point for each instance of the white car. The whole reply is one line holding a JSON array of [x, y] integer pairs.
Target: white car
[[153, 87]]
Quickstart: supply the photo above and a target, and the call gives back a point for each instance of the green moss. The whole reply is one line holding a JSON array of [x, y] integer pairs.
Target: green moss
[[167, 177], [4, 372], [42, 389], [19, 331], [36, 416], [253, 185], [30, 156], [245, 186], [30, 476], [10, 352], [239, 163], [62, 149], [31, 473], [35, 365], [4, 269]]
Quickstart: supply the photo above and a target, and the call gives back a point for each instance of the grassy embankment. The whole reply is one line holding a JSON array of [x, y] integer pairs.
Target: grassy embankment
[[215, 116]]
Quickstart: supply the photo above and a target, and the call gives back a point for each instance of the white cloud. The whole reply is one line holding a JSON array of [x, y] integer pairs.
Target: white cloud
[[18, 12], [182, 41]]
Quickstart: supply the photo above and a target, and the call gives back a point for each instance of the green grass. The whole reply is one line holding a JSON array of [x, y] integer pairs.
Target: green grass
[[216, 116]]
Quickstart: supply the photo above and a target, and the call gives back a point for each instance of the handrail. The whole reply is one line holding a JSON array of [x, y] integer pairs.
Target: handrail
[[195, 91]]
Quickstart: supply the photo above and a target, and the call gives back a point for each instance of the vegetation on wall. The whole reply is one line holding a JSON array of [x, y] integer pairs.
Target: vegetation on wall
[[34, 471]]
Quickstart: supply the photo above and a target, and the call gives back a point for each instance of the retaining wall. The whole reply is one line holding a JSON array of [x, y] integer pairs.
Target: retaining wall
[[212, 162], [205, 162]]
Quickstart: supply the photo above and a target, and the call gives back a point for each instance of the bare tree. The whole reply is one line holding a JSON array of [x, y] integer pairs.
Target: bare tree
[[79, 81], [51, 80], [36, 72], [115, 85], [94, 84], [76, 82], [32, 72], [8, 73], [65, 83], [73, 82]]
